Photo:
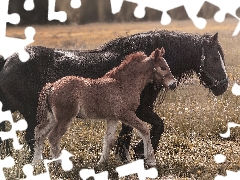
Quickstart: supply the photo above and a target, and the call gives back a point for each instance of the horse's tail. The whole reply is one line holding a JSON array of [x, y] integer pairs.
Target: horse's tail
[[43, 106], [2, 62]]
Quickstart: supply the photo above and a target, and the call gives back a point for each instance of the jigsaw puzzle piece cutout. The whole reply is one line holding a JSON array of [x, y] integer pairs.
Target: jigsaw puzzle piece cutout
[[137, 167], [19, 43], [116, 5], [192, 8], [87, 173], [229, 125], [28, 5], [53, 15], [28, 171], [21, 125], [230, 176], [5, 17], [66, 164], [9, 45], [219, 158], [75, 4], [139, 12], [236, 89], [8, 162], [237, 29], [225, 7]]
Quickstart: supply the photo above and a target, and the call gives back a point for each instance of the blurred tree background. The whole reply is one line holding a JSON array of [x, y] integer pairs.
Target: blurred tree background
[[98, 11]]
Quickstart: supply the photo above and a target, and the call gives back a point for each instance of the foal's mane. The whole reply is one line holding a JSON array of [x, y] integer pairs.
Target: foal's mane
[[129, 61]]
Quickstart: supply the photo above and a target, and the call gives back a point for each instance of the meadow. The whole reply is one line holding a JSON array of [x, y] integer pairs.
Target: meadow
[[193, 117]]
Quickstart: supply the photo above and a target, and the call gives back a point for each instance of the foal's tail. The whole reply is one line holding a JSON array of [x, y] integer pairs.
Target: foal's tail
[[43, 105]]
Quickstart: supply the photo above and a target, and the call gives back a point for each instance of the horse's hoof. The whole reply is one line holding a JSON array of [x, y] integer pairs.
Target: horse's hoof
[[123, 155]]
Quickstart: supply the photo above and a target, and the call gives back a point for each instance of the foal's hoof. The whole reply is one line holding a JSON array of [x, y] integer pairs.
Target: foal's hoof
[[138, 156], [36, 161], [102, 163], [151, 163], [57, 163]]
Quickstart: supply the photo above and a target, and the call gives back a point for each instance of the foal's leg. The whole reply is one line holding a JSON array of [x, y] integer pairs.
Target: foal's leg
[[64, 118], [145, 113], [131, 119], [108, 140], [41, 132]]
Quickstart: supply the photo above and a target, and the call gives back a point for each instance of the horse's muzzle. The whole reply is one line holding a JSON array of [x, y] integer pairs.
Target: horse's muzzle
[[220, 88]]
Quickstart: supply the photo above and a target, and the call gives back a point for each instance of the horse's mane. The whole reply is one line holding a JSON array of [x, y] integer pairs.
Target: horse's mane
[[129, 61], [170, 40], [178, 45]]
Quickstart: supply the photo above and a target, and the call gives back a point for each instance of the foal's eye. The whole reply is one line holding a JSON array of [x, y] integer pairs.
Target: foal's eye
[[163, 68]]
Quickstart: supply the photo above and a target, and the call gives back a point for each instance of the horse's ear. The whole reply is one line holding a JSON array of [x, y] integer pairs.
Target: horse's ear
[[215, 38]]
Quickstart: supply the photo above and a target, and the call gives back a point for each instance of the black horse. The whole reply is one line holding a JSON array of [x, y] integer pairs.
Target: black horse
[[21, 82]]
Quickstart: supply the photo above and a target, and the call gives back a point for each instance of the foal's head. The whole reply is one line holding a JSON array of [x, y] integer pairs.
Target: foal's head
[[162, 74]]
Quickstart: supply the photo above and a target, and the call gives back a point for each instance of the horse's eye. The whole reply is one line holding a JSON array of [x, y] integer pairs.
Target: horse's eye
[[163, 68], [216, 58]]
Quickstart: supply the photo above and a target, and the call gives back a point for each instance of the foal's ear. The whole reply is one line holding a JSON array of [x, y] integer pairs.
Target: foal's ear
[[162, 51], [215, 37], [156, 53]]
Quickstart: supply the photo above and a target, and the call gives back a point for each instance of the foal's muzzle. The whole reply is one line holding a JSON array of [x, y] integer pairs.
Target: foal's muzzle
[[173, 86]]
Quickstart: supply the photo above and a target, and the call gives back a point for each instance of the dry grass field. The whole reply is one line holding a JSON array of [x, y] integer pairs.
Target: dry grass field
[[193, 117]]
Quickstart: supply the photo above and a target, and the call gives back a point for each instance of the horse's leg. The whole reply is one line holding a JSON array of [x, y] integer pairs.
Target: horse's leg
[[30, 116], [108, 140], [2, 128], [132, 120], [145, 113], [123, 143], [41, 132], [6, 142]]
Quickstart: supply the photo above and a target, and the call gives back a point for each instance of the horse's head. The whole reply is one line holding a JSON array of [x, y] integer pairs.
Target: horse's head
[[162, 74], [211, 70]]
